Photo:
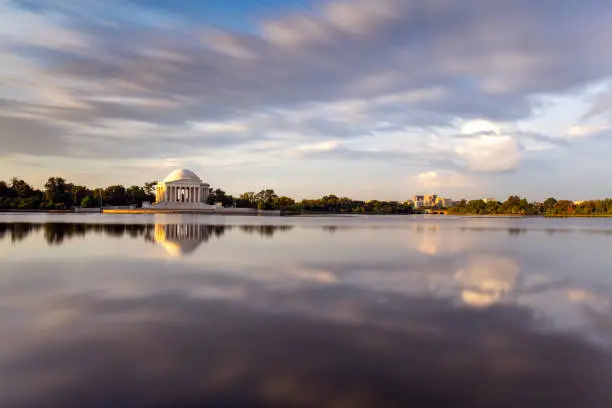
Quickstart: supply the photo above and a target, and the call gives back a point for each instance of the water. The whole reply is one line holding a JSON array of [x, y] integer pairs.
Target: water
[[189, 311]]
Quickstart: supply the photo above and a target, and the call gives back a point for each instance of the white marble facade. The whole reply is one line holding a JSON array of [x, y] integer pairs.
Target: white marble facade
[[182, 188]]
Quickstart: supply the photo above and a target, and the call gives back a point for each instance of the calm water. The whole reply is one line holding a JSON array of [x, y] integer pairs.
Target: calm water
[[175, 311]]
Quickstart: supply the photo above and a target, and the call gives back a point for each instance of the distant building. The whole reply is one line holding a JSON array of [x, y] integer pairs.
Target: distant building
[[430, 200], [444, 202], [419, 201], [489, 200], [578, 202]]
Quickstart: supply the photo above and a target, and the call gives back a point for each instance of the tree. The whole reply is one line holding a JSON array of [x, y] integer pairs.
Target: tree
[[246, 200], [20, 188], [219, 196], [88, 202], [56, 191], [283, 202], [135, 195], [491, 207], [266, 196], [5, 190], [115, 195], [548, 204], [149, 187], [79, 193], [564, 207]]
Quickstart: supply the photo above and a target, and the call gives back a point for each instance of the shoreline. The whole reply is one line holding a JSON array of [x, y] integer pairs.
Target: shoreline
[[254, 212]]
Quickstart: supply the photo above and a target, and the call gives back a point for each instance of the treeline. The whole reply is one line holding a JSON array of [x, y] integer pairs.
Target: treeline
[[58, 194], [269, 200], [515, 205], [553, 207]]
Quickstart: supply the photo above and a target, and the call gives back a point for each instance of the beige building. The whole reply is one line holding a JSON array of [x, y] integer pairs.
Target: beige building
[[444, 202], [430, 200], [418, 200]]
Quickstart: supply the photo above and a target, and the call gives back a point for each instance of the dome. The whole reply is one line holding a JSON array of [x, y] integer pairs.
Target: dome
[[182, 175]]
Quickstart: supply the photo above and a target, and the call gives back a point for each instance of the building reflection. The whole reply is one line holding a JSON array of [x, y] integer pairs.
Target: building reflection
[[183, 239], [177, 239]]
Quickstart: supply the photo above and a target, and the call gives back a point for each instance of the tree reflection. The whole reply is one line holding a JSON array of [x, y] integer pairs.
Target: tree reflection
[[58, 233]]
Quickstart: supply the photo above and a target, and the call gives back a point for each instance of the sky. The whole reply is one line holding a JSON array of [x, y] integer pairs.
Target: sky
[[366, 99]]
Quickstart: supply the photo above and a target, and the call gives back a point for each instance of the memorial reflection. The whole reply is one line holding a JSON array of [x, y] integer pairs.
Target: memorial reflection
[[183, 239], [177, 239]]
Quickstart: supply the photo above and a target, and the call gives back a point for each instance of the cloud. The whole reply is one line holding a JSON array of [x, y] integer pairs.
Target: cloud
[[384, 79], [437, 179], [586, 130], [489, 153]]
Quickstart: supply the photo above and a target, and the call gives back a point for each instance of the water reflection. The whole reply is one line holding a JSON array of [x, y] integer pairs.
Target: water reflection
[[169, 350], [487, 279], [183, 239], [177, 239], [430, 314]]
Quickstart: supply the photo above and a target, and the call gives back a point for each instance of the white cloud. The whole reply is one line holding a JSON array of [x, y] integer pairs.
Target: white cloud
[[489, 153], [473, 127], [23, 27], [436, 179], [325, 146], [219, 127], [582, 131]]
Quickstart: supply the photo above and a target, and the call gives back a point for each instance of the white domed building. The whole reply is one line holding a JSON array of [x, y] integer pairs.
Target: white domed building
[[182, 189]]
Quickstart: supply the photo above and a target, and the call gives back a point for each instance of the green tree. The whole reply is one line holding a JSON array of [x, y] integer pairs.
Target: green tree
[[79, 193], [56, 191], [5, 190], [115, 195], [283, 202], [135, 195], [219, 196], [149, 187], [88, 202], [267, 195], [549, 204], [20, 188], [246, 200]]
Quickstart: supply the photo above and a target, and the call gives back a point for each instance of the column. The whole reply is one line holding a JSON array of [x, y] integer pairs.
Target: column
[[198, 194]]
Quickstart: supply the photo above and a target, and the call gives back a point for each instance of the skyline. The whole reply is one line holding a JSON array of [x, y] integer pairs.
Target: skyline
[[370, 101]]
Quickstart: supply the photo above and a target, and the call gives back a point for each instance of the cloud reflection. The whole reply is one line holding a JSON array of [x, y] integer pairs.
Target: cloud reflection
[[349, 319], [487, 279], [220, 353]]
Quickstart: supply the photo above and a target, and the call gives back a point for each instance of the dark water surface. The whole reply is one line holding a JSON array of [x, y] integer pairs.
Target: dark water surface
[[402, 311]]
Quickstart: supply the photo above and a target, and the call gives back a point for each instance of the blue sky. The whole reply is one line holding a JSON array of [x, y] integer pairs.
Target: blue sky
[[364, 99]]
